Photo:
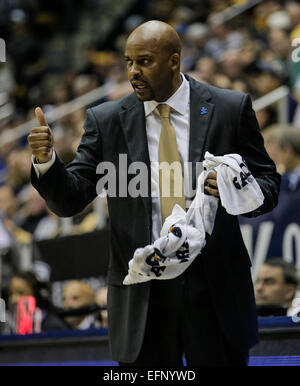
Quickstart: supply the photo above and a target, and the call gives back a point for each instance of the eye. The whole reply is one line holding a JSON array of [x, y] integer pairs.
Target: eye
[[128, 62], [145, 62]]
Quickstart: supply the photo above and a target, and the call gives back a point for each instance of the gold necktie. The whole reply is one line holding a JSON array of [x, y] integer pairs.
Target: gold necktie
[[170, 170]]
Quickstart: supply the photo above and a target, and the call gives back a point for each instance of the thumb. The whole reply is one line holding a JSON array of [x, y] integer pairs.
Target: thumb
[[40, 116]]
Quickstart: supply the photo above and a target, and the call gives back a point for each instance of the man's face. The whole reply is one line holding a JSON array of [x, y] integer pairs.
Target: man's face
[[150, 69], [270, 287], [76, 295]]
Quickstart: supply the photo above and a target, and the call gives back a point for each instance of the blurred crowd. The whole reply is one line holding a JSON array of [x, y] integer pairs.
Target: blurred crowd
[[82, 306], [253, 52]]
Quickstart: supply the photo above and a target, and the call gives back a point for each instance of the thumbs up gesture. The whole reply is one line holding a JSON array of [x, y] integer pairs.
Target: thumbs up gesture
[[40, 139]]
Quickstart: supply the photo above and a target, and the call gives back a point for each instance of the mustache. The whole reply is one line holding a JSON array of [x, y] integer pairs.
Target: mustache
[[138, 80]]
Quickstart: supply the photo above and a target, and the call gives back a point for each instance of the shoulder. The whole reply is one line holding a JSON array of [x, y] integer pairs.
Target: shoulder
[[226, 94], [218, 95]]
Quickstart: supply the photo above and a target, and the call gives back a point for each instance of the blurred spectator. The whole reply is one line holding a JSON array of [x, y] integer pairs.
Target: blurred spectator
[[289, 141], [281, 48], [26, 283], [280, 43], [194, 40], [262, 80], [271, 138], [293, 10], [222, 38], [77, 294], [33, 209], [263, 11], [240, 85], [24, 50], [162, 9], [205, 70], [231, 64], [266, 117], [8, 201], [8, 212], [18, 163], [275, 285], [221, 80], [181, 17]]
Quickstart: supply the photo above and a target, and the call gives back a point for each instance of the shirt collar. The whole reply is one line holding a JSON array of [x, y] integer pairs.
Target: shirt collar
[[178, 101]]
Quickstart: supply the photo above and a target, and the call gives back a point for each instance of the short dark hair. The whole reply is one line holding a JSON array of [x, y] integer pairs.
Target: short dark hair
[[289, 269], [41, 289]]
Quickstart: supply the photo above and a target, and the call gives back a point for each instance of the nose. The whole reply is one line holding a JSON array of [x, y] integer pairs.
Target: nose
[[134, 70], [259, 287]]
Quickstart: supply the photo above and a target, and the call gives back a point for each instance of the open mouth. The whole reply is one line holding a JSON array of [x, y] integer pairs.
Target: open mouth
[[139, 86]]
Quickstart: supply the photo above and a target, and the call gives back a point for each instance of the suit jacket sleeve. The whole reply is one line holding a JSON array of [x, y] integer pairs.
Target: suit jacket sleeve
[[251, 145], [68, 189]]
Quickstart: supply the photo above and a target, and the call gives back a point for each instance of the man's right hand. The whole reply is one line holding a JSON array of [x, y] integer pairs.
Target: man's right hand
[[40, 139]]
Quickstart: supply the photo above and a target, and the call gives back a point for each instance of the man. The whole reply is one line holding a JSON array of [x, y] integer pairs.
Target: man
[[208, 313], [77, 294], [289, 143], [276, 284]]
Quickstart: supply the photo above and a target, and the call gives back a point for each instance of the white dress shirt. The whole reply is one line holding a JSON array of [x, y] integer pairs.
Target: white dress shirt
[[180, 120]]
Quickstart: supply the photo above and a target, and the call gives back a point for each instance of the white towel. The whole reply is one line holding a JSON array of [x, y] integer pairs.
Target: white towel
[[170, 255], [183, 234], [238, 189]]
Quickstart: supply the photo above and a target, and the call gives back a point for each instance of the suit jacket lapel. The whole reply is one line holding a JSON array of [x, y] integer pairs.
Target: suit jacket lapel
[[200, 116], [134, 127]]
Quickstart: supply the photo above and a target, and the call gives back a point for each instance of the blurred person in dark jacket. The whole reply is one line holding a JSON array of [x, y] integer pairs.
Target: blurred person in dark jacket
[[289, 142], [26, 283], [275, 286]]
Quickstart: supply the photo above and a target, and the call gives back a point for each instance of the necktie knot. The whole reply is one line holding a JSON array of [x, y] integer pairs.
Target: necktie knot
[[163, 110]]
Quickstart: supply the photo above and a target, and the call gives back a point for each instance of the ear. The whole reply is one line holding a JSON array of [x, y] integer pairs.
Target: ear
[[290, 292], [175, 61]]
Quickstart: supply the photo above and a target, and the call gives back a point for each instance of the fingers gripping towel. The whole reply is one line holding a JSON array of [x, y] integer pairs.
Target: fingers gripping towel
[[183, 234], [238, 189]]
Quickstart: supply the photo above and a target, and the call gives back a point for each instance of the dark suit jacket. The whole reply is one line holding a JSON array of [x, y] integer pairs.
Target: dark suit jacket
[[114, 128]]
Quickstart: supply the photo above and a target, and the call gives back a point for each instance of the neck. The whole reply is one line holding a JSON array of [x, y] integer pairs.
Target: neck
[[176, 84]]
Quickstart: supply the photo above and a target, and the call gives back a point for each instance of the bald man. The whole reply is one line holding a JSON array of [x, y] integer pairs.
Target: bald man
[[208, 313], [77, 294]]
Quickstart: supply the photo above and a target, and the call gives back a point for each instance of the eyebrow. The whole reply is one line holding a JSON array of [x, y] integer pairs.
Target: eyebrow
[[139, 56]]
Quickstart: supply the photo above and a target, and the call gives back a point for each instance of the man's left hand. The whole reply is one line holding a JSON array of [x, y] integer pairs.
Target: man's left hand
[[210, 185]]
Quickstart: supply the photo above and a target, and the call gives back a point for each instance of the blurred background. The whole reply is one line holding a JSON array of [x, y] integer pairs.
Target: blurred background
[[67, 55]]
